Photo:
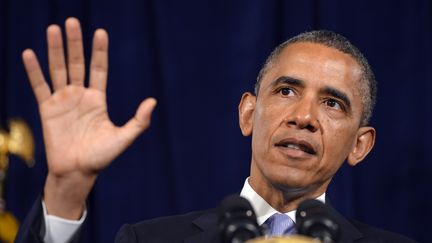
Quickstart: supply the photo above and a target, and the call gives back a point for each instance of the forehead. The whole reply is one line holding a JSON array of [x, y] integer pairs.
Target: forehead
[[317, 65]]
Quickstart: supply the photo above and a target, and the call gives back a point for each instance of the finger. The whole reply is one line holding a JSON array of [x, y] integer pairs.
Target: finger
[[140, 122], [76, 66], [56, 58], [99, 61], [35, 75]]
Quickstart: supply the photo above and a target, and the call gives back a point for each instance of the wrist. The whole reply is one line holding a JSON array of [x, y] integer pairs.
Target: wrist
[[65, 196]]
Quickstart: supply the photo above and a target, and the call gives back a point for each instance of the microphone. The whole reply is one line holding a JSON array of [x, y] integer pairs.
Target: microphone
[[315, 219], [237, 220]]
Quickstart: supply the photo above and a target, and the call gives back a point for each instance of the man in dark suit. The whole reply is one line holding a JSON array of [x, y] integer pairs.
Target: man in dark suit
[[309, 113]]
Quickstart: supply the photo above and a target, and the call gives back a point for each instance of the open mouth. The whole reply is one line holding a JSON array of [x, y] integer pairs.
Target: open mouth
[[297, 145]]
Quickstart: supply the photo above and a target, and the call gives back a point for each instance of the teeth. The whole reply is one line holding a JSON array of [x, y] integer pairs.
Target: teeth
[[293, 146], [296, 147]]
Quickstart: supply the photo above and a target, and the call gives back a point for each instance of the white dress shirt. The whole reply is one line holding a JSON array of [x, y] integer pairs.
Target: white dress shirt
[[59, 230], [262, 209]]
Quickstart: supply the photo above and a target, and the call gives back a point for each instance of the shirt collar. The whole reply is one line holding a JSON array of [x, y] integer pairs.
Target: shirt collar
[[262, 209]]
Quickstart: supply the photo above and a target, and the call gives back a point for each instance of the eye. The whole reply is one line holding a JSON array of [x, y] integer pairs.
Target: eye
[[333, 104], [286, 91]]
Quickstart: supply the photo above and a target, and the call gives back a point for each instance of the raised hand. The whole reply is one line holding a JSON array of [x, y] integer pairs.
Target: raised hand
[[80, 140]]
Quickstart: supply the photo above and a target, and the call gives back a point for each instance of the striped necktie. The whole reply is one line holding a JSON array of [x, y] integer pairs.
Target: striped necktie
[[280, 224]]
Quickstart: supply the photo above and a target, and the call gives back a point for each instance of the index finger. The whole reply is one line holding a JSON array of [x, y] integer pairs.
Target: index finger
[[99, 61]]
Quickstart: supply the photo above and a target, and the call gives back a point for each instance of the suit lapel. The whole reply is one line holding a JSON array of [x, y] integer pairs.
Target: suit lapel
[[348, 232], [208, 224]]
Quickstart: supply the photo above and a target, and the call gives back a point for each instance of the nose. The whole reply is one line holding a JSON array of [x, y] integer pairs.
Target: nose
[[303, 114]]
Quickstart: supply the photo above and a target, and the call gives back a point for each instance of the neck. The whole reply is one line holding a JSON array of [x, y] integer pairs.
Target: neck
[[284, 198]]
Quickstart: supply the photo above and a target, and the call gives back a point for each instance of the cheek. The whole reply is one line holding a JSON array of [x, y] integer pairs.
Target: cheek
[[338, 141], [265, 123], [269, 115]]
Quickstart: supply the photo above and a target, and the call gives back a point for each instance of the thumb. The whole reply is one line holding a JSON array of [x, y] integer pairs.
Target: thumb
[[140, 122]]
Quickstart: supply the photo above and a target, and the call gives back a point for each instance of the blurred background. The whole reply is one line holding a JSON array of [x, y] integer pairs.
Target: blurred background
[[197, 58]]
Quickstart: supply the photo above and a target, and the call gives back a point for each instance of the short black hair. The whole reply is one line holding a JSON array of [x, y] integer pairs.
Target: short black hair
[[368, 85]]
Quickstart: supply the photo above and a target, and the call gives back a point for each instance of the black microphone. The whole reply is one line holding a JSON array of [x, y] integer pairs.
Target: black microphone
[[316, 220], [237, 220]]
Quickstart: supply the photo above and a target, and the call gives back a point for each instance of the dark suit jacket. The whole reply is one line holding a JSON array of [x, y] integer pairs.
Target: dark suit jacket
[[195, 227], [32, 228]]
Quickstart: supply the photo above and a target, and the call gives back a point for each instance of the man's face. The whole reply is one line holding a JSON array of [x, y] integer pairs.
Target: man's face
[[305, 121]]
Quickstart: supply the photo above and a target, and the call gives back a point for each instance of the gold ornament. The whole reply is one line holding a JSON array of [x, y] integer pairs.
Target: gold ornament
[[19, 141], [287, 239], [8, 227]]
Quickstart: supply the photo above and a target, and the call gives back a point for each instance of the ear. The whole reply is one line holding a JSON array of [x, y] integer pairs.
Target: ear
[[363, 145], [246, 110]]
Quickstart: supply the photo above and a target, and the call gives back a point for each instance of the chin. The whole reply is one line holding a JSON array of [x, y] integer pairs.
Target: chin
[[289, 180]]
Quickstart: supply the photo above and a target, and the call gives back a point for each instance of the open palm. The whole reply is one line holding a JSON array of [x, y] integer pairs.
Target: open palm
[[78, 133], [80, 139]]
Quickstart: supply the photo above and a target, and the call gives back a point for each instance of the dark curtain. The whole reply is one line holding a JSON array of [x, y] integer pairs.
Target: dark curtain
[[197, 58]]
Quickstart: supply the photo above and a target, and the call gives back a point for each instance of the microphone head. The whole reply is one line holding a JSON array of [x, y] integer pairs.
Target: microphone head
[[237, 220], [315, 219]]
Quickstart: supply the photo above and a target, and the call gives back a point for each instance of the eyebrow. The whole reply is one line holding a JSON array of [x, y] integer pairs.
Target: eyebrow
[[328, 90], [337, 94], [288, 80]]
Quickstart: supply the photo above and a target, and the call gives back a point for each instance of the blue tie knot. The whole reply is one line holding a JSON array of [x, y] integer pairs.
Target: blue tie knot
[[280, 224]]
